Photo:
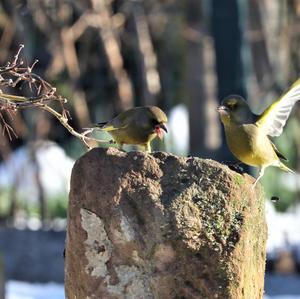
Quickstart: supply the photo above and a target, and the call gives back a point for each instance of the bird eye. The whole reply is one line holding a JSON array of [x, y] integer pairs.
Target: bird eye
[[155, 122], [232, 106]]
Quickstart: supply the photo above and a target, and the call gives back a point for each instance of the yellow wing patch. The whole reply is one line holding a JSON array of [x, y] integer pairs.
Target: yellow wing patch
[[274, 118], [110, 128]]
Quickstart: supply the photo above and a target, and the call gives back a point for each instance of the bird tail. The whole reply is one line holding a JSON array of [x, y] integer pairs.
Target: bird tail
[[285, 168], [95, 126], [100, 125]]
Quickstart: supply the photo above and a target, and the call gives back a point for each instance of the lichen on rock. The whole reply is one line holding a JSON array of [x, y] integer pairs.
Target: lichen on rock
[[98, 247], [160, 226]]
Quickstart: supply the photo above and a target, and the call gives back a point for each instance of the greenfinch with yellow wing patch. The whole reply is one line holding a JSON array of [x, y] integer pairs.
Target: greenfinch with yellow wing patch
[[247, 133], [138, 126]]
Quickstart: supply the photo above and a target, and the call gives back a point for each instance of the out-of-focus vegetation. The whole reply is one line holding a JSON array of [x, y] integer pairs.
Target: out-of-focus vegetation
[[57, 206], [277, 183], [106, 56]]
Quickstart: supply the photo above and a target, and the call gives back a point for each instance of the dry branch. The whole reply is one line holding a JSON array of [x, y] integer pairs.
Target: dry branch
[[42, 94]]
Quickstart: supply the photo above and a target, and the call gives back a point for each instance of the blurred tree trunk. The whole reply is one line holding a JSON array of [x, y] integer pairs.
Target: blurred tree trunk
[[195, 81], [293, 19], [113, 54], [262, 66], [226, 26], [33, 148], [147, 81], [293, 38], [260, 58], [227, 33]]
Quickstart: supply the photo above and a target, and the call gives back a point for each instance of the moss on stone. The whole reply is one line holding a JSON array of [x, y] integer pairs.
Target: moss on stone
[[197, 228]]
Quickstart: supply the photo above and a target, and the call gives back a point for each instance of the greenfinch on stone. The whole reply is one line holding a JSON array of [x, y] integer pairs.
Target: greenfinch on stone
[[247, 133], [138, 126]]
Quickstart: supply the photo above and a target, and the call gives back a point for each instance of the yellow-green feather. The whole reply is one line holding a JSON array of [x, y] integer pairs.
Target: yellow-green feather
[[264, 115]]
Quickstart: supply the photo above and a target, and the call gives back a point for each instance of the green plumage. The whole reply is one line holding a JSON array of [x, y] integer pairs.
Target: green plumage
[[136, 126], [247, 133]]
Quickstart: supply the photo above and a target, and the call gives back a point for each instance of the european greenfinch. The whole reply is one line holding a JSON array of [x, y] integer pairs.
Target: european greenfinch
[[138, 126], [247, 133]]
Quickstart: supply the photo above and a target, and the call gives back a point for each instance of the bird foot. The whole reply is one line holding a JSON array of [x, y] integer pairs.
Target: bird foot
[[235, 166]]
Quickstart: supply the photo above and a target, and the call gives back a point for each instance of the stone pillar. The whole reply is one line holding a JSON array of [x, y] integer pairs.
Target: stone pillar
[[144, 226]]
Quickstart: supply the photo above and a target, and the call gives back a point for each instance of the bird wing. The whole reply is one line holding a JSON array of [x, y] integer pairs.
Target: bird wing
[[121, 121], [273, 119], [111, 127]]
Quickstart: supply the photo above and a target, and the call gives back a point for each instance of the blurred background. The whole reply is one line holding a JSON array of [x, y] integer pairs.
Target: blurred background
[[106, 56]]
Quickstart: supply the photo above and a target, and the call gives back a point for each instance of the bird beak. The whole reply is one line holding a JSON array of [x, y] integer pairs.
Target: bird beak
[[163, 127], [158, 130], [222, 108]]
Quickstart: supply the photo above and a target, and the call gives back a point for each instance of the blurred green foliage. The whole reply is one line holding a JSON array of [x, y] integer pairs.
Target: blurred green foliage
[[275, 181], [56, 206]]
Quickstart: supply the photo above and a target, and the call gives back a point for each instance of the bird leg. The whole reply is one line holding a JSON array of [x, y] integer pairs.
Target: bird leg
[[147, 147], [261, 173]]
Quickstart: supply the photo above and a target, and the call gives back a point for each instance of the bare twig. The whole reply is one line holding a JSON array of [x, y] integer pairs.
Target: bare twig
[[15, 73]]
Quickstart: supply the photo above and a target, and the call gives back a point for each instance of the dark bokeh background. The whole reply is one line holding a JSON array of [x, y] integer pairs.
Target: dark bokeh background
[[107, 56]]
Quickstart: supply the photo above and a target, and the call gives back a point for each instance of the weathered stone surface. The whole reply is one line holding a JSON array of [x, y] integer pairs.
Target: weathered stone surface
[[144, 226]]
